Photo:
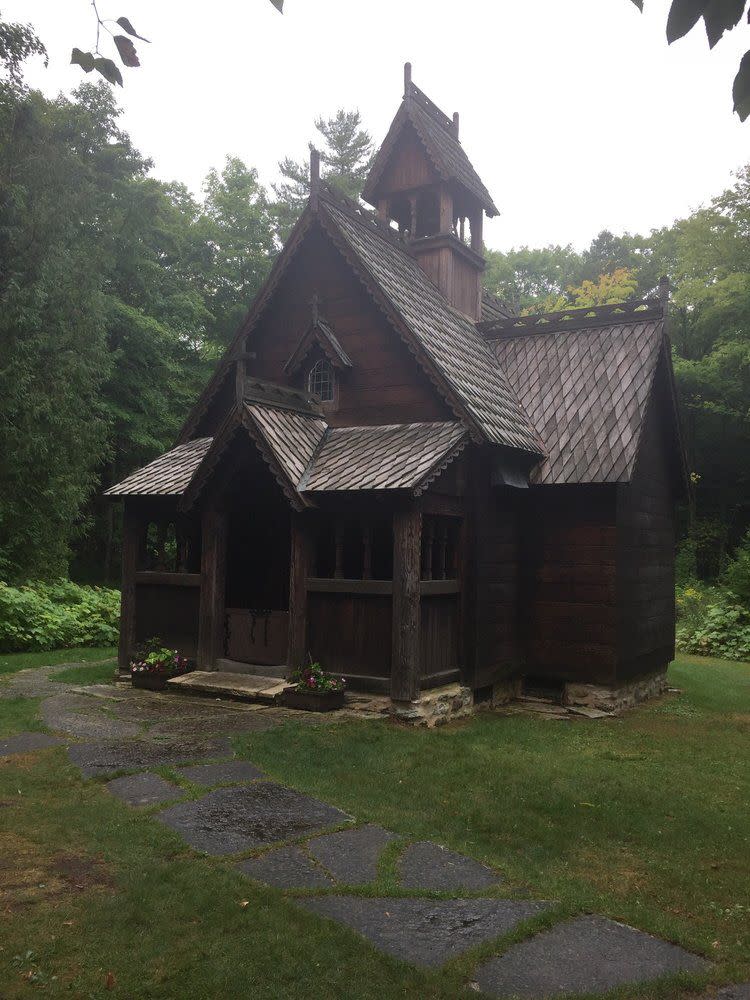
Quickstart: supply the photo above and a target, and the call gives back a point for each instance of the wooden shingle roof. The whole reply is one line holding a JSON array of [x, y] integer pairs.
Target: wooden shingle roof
[[168, 475], [306, 456], [585, 388], [388, 457], [438, 136], [291, 437], [451, 342]]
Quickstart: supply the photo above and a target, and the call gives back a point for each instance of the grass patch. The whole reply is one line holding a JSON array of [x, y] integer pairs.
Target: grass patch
[[95, 673], [641, 818], [10, 663], [18, 715]]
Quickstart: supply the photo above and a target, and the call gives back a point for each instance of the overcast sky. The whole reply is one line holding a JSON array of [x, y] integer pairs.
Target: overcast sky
[[576, 114]]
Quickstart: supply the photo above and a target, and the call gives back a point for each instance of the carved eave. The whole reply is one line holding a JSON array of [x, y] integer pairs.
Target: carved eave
[[318, 333]]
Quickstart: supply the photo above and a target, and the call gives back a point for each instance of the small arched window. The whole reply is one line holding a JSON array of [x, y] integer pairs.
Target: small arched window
[[320, 381]]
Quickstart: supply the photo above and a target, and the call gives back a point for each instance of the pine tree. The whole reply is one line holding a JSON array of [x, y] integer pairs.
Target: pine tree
[[346, 157]]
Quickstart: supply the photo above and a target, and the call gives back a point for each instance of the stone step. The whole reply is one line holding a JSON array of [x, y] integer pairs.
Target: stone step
[[226, 666], [223, 684]]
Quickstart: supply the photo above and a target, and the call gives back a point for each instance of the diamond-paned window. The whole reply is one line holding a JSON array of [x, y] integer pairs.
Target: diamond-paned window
[[320, 381]]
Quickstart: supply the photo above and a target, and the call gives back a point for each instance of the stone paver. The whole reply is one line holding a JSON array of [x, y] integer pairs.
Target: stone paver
[[352, 855], [86, 717], [26, 742], [144, 789], [741, 991], [425, 865], [286, 868], [426, 932], [223, 773], [586, 955], [106, 758], [230, 820]]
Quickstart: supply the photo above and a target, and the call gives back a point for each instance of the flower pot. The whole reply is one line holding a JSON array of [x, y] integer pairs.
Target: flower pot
[[150, 682], [329, 701]]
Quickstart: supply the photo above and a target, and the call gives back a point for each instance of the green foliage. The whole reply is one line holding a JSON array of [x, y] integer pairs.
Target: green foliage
[[711, 621], [18, 42], [313, 679], [43, 616], [346, 156], [737, 573]]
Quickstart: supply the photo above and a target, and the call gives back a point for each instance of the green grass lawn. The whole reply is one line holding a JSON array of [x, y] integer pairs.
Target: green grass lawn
[[10, 663], [642, 818]]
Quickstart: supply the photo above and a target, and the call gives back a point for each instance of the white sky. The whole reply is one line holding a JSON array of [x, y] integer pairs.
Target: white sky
[[576, 114]]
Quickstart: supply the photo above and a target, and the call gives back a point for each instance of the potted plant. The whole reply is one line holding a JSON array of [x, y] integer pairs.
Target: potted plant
[[154, 664], [314, 690]]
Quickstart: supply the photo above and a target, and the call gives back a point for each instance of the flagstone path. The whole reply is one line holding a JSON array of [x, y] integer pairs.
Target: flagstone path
[[297, 843]]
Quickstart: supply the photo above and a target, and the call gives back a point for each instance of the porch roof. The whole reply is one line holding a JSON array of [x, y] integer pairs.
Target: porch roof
[[388, 457], [308, 457], [168, 475]]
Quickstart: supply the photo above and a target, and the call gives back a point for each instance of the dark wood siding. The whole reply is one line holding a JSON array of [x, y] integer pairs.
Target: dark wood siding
[[491, 577], [568, 608], [645, 554], [169, 612], [385, 383]]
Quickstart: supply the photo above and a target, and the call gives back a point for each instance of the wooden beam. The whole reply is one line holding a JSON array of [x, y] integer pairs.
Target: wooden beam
[[407, 545], [131, 545], [213, 579], [299, 568]]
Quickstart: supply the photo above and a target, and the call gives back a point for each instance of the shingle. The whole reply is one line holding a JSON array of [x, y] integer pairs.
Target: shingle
[[450, 339], [393, 456], [168, 475], [291, 436], [586, 391], [441, 144]]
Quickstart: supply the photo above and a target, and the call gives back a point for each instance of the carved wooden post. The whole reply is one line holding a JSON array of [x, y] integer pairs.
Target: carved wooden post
[[213, 578], [131, 543], [299, 569], [407, 544]]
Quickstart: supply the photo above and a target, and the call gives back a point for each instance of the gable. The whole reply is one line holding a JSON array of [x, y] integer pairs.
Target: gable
[[408, 166], [383, 383]]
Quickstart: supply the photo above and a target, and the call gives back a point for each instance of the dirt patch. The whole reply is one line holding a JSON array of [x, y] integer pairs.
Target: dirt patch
[[28, 876], [81, 873], [619, 873]]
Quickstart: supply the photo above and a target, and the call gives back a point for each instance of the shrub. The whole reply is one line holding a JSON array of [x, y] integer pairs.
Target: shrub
[[737, 573], [41, 616], [712, 621]]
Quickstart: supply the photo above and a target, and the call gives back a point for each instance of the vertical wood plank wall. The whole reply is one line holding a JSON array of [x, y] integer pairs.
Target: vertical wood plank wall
[[569, 595], [213, 579], [407, 551], [490, 609], [645, 557]]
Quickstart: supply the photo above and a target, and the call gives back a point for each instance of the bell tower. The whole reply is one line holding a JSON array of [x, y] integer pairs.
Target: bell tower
[[422, 182]]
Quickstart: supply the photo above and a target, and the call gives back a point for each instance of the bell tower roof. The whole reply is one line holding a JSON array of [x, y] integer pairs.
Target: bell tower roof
[[438, 136]]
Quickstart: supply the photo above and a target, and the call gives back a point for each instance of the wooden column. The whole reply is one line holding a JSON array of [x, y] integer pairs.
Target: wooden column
[[299, 570], [131, 544], [407, 545], [213, 580]]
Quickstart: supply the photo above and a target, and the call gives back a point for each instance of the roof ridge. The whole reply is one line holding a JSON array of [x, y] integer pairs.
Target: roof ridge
[[577, 318], [365, 216]]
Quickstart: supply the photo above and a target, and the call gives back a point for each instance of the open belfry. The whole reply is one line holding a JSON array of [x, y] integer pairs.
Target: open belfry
[[394, 475]]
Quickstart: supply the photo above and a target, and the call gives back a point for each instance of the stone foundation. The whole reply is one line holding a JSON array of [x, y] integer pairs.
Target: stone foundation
[[615, 699], [505, 691], [435, 707]]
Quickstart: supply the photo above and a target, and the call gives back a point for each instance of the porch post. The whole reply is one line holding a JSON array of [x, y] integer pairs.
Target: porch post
[[213, 574], [407, 552], [131, 525], [299, 568]]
